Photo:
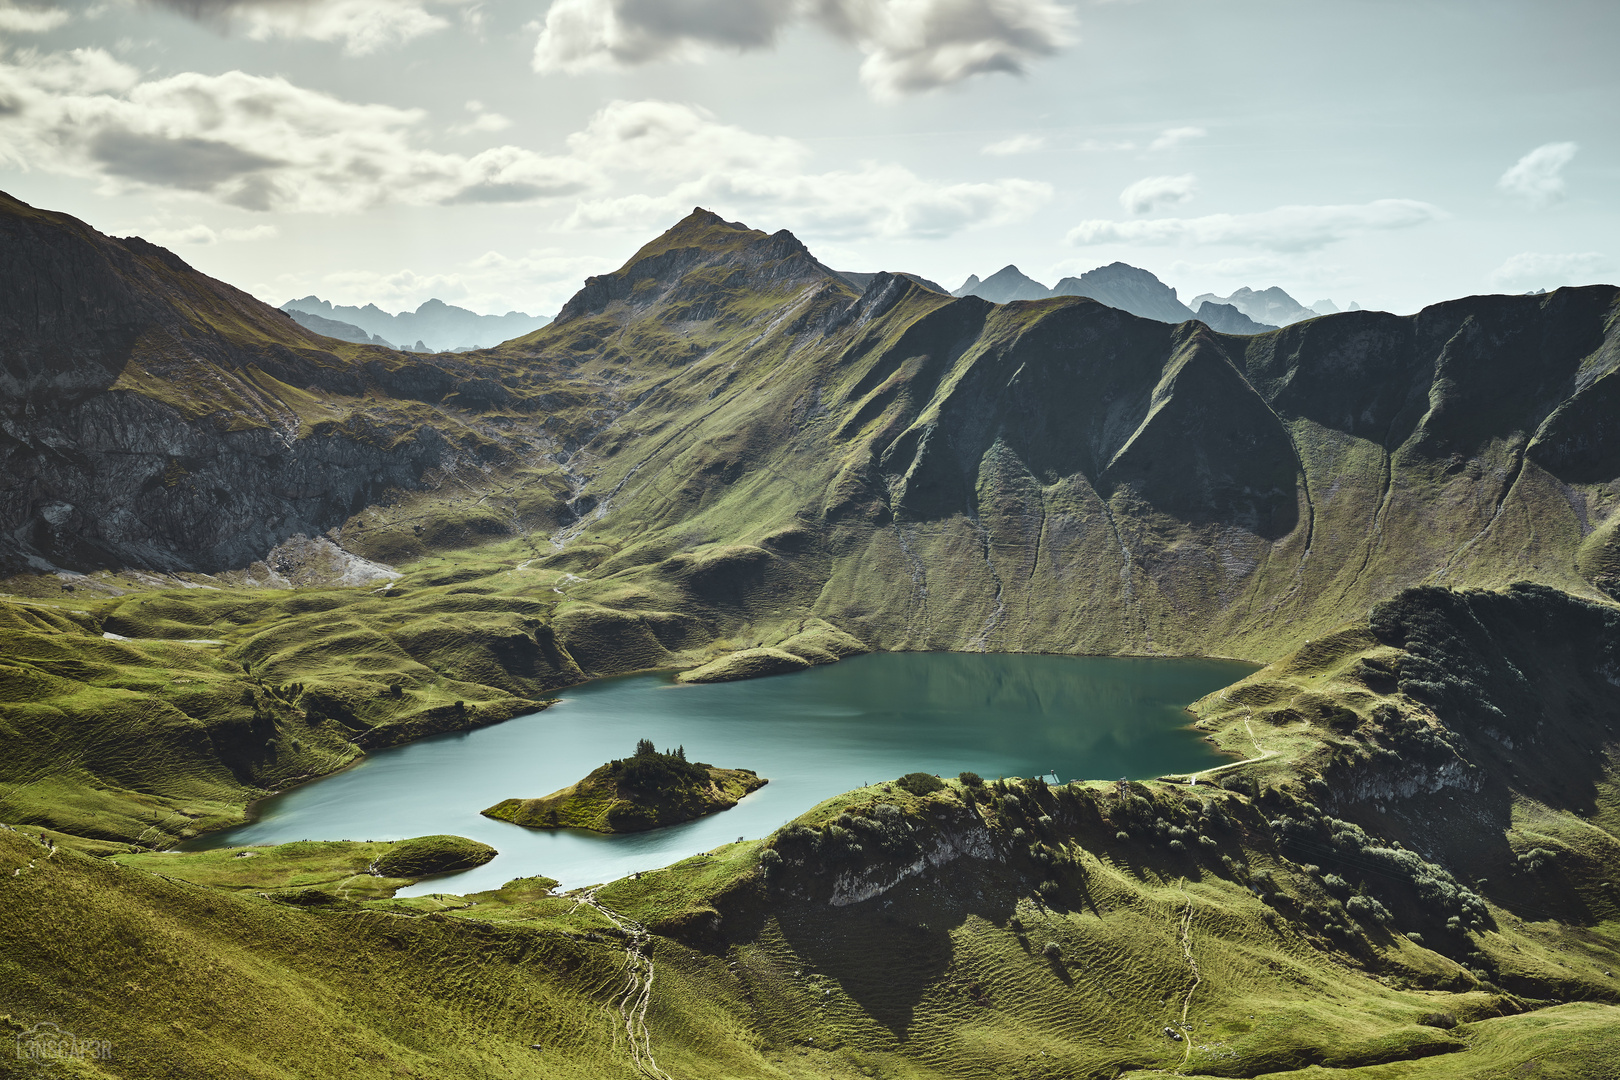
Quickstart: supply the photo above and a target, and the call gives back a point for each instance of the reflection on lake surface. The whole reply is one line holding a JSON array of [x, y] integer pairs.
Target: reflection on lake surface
[[813, 734]]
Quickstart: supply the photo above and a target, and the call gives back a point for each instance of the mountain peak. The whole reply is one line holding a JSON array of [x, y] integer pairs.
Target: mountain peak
[[702, 238], [1129, 288], [1005, 285]]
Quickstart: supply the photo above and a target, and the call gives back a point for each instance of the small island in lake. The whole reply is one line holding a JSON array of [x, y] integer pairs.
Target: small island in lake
[[645, 791]]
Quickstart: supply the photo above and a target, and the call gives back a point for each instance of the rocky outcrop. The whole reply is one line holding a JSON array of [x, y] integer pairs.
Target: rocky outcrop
[[951, 837]]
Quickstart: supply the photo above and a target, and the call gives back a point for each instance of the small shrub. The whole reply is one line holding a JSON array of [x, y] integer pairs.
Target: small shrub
[[1536, 859], [920, 783], [1365, 907], [770, 861], [1122, 835], [1414, 937], [970, 779], [1177, 846], [1052, 951]]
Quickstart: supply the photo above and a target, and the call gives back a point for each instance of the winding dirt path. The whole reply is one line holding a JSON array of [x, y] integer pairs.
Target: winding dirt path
[[1261, 754], [1186, 951], [638, 983]]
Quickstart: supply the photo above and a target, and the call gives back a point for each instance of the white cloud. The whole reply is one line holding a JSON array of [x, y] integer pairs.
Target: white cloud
[[200, 235], [1538, 270], [1151, 192], [1243, 266], [246, 140], [910, 45], [483, 121], [191, 236], [1285, 228], [363, 26], [29, 20], [885, 201], [1017, 144], [1538, 176], [1175, 136], [1105, 146], [763, 178], [264, 144], [666, 139], [254, 232]]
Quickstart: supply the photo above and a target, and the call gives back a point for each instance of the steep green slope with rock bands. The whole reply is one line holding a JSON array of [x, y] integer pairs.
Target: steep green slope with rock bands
[[1057, 475]]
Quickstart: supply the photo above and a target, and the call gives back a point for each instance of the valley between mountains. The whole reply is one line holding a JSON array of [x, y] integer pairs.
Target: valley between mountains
[[239, 555]]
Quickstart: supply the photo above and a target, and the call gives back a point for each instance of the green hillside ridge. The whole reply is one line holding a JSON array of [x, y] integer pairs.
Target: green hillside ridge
[[318, 871], [1286, 914], [722, 459], [647, 790]]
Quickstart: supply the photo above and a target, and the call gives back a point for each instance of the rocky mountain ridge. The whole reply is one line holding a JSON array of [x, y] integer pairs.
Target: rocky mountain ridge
[[1118, 285], [1272, 306], [155, 418], [725, 417]]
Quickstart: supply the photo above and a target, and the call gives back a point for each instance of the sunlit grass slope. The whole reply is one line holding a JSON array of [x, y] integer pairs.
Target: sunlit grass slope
[[1436, 910]]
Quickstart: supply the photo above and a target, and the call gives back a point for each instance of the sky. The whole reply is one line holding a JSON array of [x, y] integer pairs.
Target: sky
[[493, 153]]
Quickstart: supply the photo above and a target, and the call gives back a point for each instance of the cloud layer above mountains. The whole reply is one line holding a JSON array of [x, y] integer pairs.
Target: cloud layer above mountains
[[909, 45], [1283, 229], [251, 141], [273, 139], [261, 143], [362, 26]]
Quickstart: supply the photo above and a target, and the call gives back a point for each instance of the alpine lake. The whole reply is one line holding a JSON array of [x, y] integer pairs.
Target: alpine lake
[[813, 734]]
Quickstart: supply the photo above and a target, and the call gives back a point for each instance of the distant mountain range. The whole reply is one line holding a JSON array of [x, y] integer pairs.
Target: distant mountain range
[[1139, 292], [434, 327], [1273, 305]]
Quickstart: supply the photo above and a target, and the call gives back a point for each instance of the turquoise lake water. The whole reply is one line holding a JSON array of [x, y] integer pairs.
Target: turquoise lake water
[[813, 733]]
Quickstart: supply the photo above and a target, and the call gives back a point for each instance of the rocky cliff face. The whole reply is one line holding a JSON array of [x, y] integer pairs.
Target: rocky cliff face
[[153, 417]]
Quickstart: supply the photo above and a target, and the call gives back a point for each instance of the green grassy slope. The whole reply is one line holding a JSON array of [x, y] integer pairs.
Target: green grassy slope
[[1318, 907]]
